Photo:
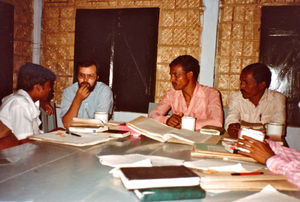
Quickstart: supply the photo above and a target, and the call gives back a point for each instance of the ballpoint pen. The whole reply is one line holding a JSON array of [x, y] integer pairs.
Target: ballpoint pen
[[68, 132], [250, 173]]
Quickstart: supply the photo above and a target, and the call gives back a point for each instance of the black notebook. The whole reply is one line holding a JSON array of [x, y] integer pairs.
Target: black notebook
[[158, 176]]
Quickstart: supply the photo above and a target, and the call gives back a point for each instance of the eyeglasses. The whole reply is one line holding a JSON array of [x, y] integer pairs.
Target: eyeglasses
[[88, 76]]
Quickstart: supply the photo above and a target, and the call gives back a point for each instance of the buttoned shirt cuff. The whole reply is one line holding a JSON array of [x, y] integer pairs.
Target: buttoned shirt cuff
[[271, 163]]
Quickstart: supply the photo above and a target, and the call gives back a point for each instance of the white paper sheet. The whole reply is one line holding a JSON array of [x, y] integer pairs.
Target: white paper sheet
[[268, 193], [130, 160], [223, 166]]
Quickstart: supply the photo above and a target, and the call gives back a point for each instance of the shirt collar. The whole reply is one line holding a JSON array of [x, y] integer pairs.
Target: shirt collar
[[28, 98]]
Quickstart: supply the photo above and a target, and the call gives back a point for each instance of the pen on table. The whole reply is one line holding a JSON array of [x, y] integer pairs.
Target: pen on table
[[68, 132], [250, 173]]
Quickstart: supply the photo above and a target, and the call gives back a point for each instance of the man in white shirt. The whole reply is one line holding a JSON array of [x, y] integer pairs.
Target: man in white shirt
[[255, 103], [19, 112]]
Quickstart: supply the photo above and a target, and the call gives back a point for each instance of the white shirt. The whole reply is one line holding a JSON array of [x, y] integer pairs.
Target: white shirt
[[271, 108], [20, 114]]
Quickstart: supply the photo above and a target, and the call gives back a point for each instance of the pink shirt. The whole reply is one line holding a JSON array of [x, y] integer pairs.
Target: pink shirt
[[205, 106], [286, 161]]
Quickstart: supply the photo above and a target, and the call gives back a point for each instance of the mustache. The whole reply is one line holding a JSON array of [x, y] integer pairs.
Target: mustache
[[85, 83], [91, 88]]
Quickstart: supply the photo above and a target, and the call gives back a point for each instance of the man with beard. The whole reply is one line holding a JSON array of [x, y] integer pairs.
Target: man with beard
[[86, 96], [254, 103], [188, 97]]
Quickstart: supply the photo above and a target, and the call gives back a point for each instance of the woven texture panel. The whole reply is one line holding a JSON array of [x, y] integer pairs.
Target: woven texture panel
[[179, 33], [238, 40]]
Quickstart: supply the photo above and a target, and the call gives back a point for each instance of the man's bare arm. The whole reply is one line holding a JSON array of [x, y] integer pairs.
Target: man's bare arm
[[7, 138], [82, 93]]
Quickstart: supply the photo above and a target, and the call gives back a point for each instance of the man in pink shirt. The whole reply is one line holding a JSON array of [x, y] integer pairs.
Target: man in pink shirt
[[188, 97], [279, 159]]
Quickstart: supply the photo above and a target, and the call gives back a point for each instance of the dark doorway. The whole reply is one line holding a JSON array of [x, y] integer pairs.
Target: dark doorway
[[124, 43], [6, 49], [280, 50]]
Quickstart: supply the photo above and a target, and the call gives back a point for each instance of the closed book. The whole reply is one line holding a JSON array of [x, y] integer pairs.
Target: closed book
[[158, 176], [170, 193], [217, 151]]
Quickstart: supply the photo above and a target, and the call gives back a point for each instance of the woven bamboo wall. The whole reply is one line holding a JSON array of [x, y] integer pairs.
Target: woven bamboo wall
[[23, 25], [179, 33], [238, 40]]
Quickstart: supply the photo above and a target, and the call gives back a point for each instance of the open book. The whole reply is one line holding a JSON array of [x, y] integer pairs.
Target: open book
[[157, 176], [163, 133], [79, 139]]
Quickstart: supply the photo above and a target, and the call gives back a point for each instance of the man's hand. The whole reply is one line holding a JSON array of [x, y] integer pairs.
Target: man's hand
[[175, 120], [233, 130], [83, 92], [46, 107], [260, 151]]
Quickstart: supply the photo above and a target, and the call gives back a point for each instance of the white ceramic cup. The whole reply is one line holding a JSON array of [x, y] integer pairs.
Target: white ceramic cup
[[275, 131], [103, 116], [188, 122]]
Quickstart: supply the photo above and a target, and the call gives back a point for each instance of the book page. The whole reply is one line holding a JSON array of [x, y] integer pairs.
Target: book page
[[161, 132], [61, 137], [192, 137], [149, 127]]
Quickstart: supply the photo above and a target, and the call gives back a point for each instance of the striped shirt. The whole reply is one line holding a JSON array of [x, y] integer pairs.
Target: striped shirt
[[286, 161]]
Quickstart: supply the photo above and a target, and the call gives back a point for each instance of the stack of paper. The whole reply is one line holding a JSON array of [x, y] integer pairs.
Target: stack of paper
[[229, 175], [78, 139], [84, 125]]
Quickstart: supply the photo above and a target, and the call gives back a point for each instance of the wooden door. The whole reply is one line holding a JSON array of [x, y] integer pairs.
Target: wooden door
[[6, 49], [124, 43], [280, 50]]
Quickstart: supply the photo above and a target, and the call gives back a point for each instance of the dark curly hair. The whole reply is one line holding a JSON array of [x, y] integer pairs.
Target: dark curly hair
[[260, 73], [188, 63]]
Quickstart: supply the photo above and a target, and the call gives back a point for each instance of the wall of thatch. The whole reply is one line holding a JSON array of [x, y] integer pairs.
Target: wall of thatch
[[180, 28], [238, 40], [179, 33]]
